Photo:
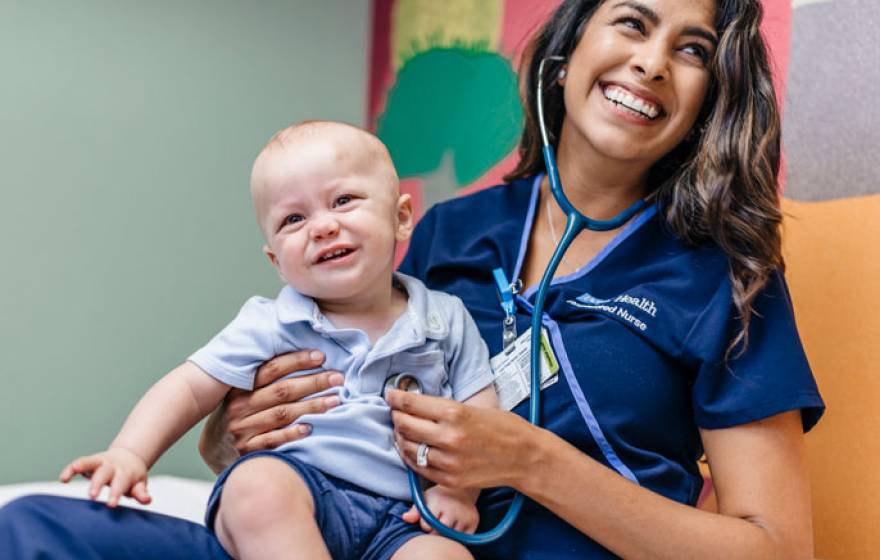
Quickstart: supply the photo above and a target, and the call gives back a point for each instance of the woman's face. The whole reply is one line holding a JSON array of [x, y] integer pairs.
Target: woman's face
[[638, 77]]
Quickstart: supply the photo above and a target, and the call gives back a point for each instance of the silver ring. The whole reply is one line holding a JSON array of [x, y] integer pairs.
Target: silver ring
[[422, 455]]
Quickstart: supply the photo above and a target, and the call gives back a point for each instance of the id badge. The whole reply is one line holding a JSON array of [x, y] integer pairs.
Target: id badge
[[513, 373]]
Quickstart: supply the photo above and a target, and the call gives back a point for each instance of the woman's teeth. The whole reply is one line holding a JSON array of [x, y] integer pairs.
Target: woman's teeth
[[629, 101]]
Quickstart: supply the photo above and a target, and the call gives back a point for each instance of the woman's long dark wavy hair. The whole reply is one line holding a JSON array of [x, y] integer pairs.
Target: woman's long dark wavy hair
[[719, 185]]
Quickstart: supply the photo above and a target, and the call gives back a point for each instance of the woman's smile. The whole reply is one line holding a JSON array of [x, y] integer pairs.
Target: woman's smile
[[637, 79], [633, 106]]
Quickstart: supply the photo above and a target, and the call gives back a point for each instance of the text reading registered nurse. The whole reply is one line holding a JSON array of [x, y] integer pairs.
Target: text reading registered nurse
[[673, 334]]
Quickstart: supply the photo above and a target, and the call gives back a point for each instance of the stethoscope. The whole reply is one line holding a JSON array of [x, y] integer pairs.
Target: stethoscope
[[402, 382], [575, 223]]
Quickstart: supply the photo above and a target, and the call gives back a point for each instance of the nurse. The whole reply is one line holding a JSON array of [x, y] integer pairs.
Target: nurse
[[672, 336]]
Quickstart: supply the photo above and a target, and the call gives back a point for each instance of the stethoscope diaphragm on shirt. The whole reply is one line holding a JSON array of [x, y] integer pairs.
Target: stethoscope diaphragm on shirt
[[402, 382]]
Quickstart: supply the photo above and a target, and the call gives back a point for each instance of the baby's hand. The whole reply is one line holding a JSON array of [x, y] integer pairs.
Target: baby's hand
[[455, 508], [120, 469]]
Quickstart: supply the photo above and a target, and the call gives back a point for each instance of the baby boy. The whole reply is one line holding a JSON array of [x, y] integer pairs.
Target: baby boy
[[328, 202]]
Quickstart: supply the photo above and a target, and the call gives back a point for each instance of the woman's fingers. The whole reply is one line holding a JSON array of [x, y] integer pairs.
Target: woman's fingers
[[436, 458], [275, 438], [424, 406], [293, 389], [275, 418], [279, 366], [439, 462], [243, 404], [420, 430], [263, 418]]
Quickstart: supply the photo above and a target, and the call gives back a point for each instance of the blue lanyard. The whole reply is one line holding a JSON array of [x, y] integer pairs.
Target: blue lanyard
[[506, 291]]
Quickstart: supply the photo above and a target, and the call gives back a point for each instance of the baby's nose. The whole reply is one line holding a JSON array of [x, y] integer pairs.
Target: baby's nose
[[323, 226]]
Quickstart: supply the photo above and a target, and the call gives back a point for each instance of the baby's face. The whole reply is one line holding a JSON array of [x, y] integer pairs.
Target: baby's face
[[331, 218]]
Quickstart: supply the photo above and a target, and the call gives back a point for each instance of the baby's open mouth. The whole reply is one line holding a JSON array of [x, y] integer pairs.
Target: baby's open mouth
[[333, 255]]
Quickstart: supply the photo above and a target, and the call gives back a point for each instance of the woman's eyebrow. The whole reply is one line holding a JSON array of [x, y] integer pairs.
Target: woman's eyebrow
[[652, 16], [702, 33], [641, 8]]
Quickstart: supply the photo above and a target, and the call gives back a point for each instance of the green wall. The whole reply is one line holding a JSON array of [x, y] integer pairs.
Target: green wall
[[127, 130]]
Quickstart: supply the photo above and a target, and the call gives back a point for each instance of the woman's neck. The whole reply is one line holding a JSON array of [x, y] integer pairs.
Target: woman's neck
[[598, 186]]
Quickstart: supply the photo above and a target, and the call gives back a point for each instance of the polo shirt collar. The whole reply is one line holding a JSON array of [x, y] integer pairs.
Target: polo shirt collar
[[293, 307], [422, 309]]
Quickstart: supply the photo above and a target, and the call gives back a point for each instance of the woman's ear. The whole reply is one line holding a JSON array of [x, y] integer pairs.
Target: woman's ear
[[560, 78], [405, 219]]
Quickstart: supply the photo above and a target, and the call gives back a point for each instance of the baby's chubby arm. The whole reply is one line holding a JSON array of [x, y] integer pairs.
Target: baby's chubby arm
[[171, 407], [455, 507]]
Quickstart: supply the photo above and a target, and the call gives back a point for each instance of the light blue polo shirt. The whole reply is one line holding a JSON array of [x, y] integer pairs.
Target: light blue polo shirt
[[435, 340]]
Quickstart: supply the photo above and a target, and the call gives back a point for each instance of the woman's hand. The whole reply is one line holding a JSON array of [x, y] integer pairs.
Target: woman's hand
[[261, 419], [470, 447]]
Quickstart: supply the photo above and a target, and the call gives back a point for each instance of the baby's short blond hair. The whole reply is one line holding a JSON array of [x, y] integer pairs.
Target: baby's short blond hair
[[371, 155]]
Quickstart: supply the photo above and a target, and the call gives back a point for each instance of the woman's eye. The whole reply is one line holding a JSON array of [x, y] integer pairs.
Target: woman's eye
[[697, 51], [344, 199], [292, 219], [632, 23]]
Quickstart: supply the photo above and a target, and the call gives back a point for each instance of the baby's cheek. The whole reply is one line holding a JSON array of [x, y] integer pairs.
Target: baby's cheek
[[291, 268]]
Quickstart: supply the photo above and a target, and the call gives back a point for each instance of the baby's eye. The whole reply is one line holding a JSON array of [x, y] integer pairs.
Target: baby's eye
[[292, 219], [344, 199]]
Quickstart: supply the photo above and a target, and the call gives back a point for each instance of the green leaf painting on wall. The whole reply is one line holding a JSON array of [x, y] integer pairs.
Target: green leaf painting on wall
[[451, 108]]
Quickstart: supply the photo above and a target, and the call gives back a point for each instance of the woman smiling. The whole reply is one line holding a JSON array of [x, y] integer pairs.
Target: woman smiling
[[674, 334]]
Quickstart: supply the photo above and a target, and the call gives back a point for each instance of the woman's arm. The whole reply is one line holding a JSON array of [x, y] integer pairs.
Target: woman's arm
[[759, 470], [259, 419]]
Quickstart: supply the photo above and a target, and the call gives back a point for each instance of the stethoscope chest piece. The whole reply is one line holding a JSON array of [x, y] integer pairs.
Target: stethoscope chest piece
[[403, 382]]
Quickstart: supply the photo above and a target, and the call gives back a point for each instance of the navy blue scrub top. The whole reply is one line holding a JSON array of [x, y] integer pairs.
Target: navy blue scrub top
[[640, 333]]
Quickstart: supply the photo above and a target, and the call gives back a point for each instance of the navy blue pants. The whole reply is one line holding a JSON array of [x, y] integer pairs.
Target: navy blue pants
[[354, 522], [67, 528]]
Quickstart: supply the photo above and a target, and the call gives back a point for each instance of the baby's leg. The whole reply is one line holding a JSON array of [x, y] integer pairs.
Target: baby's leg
[[432, 547], [267, 511]]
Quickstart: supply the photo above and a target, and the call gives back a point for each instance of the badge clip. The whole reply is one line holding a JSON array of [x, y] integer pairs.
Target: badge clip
[[506, 291]]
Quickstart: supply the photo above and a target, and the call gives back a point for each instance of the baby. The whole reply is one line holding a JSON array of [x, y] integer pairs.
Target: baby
[[327, 200]]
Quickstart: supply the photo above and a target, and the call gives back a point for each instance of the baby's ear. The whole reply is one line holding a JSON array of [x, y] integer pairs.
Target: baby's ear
[[405, 220], [273, 259]]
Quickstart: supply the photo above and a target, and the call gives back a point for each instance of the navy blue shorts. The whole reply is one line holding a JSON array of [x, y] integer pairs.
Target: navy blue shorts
[[355, 522]]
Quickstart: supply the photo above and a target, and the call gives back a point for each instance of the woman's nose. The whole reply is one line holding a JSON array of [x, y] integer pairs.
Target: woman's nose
[[324, 225], [651, 62]]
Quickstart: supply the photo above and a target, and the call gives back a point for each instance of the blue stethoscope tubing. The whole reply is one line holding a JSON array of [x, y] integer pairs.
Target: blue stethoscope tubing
[[574, 224]]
